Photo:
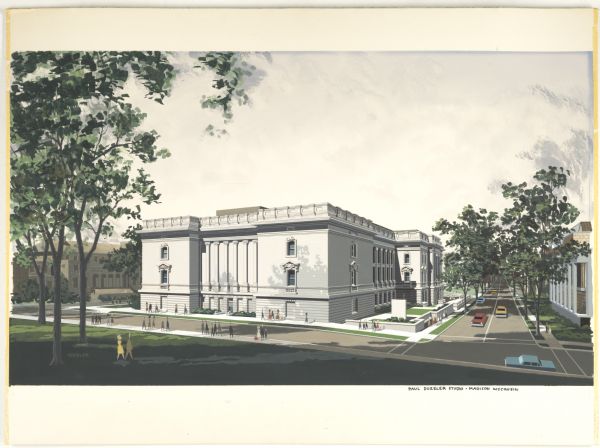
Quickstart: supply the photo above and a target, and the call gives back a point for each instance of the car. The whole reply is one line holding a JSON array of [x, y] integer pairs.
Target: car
[[529, 362], [501, 311], [492, 292], [479, 320], [480, 300]]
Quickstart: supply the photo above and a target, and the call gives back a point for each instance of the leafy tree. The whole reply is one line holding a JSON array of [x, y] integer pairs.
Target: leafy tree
[[540, 215], [473, 239], [74, 138], [460, 272], [127, 259], [27, 239]]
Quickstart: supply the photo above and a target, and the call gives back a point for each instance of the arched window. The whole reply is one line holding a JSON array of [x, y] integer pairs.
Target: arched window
[[291, 248], [353, 277], [164, 252], [353, 250], [406, 258]]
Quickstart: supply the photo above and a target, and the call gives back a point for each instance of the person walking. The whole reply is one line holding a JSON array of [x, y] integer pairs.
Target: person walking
[[266, 333], [120, 351], [168, 326], [129, 348], [230, 331], [185, 309], [175, 308], [162, 325], [144, 324], [153, 321], [220, 329], [150, 308]]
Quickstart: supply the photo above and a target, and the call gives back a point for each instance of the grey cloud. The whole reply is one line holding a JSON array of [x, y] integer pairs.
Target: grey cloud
[[559, 100]]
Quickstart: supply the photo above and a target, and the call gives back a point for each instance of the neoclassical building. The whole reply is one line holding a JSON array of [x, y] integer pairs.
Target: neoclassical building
[[305, 262], [573, 297]]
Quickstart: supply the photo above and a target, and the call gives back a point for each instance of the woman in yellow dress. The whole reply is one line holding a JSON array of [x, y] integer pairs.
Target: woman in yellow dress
[[120, 350]]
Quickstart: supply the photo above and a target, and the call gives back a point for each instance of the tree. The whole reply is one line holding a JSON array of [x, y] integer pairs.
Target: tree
[[27, 239], [74, 137], [541, 214], [460, 272], [473, 239], [127, 259]]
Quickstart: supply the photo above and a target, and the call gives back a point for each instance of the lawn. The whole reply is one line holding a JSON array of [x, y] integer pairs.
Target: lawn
[[561, 327], [445, 325], [418, 311]]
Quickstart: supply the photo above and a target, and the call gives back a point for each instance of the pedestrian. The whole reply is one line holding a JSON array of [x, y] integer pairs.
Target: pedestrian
[[262, 332], [144, 324], [230, 331], [262, 315], [175, 308], [277, 317], [184, 309], [153, 321], [168, 326], [146, 306], [129, 348], [162, 325], [306, 317], [266, 333], [100, 319], [112, 320], [120, 351], [359, 325], [220, 329], [150, 308]]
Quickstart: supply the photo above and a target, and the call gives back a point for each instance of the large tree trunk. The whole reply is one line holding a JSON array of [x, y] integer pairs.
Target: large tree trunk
[[42, 298], [82, 298], [57, 359]]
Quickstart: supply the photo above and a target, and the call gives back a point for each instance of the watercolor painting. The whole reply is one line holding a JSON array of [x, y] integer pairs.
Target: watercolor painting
[[301, 218]]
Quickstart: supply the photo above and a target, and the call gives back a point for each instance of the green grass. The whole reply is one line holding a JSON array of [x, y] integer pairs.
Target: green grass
[[445, 325], [561, 327], [418, 311]]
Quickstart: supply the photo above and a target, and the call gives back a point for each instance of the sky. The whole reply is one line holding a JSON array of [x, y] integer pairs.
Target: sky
[[400, 138]]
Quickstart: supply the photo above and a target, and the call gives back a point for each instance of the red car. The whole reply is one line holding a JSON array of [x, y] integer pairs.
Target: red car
[[479, 320]]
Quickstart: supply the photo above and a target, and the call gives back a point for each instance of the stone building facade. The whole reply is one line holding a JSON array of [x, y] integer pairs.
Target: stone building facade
[[312, 262], [573, 297]]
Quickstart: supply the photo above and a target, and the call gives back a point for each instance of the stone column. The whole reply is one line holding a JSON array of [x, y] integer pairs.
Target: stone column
[[236, 265], [246, 267], [218, 265], [227, 277]]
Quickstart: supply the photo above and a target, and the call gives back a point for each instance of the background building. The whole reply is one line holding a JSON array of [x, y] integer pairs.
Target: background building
[[573, 297], [305, 262], [100, 281]]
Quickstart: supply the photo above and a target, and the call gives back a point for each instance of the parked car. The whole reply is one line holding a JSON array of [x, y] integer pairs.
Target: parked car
[[480, 300], [501, 311], [528, 362], [479, 320]]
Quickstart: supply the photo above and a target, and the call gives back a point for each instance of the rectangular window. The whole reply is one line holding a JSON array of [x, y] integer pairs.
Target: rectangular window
[[164, 253], [406, 258], [355, 305], [291, 248], [164, 277], [291, 278], [581, 275]]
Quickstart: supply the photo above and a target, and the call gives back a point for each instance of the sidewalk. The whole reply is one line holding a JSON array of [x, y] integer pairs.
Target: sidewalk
[[411, 337]]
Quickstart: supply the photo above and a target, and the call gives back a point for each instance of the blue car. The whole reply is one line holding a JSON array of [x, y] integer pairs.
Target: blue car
[[529, 362], [480, 300]]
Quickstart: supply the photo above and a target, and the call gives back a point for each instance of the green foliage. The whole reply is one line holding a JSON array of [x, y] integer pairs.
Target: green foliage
[[244, 314], [127, 259], [203, 311]]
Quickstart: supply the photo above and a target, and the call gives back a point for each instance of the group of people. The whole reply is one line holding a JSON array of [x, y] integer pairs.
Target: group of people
[[152, 324], [261, 332], [128, 351], [271, 315], [365, 325], [154, 308], [214, 330], [96, 319]]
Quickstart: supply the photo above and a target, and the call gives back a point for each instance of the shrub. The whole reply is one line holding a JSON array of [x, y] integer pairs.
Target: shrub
[[396, 319], [203, 311], [244, 314]]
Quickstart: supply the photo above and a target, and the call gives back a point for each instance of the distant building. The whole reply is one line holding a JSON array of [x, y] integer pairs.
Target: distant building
[[315, 262], [573, 297], [100, 281]]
